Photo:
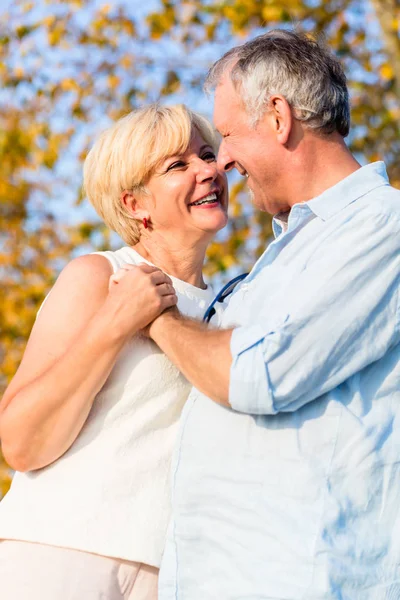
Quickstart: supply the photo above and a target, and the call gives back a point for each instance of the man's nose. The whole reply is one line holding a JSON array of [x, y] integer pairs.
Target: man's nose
[[224, 159]]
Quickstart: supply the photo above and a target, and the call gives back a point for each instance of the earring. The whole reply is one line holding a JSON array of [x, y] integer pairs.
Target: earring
[[145, 223]]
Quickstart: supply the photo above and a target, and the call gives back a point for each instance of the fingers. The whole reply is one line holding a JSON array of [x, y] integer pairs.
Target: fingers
[[159, 277], [114, 280], [168, 301], [162, 284], [165, 289], [116, 277], [146, 268]]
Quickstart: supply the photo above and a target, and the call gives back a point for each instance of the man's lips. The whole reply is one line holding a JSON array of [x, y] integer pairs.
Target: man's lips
[[242, 171]]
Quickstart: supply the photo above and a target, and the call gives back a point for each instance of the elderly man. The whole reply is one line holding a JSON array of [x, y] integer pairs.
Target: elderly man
[[286, 477]]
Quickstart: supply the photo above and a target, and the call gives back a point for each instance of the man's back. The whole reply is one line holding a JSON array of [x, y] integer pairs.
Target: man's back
[[296, 492]]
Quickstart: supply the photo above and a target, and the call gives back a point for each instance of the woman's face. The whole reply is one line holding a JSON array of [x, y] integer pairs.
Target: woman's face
[[187, 193]]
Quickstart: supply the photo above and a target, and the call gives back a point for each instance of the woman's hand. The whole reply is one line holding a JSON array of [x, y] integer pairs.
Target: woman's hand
[[137, 295]]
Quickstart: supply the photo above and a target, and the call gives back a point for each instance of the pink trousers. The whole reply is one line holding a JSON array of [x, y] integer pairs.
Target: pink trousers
[[38, 572]]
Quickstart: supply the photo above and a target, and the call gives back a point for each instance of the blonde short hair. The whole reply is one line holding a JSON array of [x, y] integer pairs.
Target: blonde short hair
[[126, 155]]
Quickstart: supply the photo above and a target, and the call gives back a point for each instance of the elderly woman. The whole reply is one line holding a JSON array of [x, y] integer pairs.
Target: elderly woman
[[90, 418]]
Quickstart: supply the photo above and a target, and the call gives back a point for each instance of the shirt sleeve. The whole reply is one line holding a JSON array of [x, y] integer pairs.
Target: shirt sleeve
[[343, 315]]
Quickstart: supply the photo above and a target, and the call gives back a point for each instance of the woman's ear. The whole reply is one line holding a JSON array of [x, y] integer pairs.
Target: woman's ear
[[133, 206]]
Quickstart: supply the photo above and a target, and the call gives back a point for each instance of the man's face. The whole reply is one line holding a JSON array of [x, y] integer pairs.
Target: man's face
[[254, 152]]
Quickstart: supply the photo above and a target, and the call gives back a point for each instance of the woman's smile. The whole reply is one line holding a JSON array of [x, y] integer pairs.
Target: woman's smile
[[210, 200]]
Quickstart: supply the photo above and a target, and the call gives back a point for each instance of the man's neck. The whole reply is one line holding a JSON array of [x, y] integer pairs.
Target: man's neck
[[323, 164]]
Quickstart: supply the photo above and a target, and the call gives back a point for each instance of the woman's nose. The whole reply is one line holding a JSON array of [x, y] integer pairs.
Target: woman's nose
[[207, 170]]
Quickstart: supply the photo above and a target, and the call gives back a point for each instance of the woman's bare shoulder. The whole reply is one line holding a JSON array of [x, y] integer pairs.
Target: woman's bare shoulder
[[77, 295]]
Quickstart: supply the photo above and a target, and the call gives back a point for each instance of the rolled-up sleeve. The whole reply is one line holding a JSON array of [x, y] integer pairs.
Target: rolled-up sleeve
[[343, 315]]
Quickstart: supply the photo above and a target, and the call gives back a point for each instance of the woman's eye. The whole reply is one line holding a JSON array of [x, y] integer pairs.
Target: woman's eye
[[209, 157], [175, 165]]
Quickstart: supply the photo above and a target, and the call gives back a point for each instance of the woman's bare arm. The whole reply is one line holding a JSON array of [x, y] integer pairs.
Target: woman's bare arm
[[73, 346]]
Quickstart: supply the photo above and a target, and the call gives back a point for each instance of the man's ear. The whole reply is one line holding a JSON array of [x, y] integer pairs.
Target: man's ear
[[133, 207], [283, 118]]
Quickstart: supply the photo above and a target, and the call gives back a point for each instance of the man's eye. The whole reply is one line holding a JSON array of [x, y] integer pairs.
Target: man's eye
[[209, 156]]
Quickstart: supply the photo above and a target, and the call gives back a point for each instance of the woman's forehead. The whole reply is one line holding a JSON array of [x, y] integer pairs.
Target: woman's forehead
[[195, 144]]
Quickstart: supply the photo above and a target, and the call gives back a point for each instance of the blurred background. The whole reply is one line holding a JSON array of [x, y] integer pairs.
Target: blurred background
[[68, 68]]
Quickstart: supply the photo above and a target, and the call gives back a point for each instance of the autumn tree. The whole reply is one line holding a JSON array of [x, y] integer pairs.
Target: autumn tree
[[68, 67]]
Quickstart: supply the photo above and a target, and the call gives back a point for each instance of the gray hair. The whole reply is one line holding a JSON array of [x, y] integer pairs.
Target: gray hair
[[289, 63]]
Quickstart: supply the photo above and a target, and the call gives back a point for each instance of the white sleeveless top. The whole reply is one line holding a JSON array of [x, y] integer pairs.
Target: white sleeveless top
[[109, 493]]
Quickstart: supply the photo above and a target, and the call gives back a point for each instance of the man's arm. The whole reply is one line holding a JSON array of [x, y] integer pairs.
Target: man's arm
[[202, 355], [344, 315]]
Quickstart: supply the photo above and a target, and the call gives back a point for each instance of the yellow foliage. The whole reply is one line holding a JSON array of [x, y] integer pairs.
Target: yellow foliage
[[387, 71], [171, 84], [161, 23], [5, 477], [54, 36], [128, 26], [105, 9], [113, 81], [126, 61], [19, 72], [69, 85], [272, 13], [49, 21]]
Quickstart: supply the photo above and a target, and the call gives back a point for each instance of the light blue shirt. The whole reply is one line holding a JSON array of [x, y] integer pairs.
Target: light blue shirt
[[294, 493]]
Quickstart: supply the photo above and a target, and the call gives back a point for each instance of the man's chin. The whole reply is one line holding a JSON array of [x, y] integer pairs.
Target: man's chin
[[259, 201], [256, 200]]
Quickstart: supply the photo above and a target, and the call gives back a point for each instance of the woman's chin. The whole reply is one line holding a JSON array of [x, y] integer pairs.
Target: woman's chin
[[212, 221], [216, 226], [224, 222]]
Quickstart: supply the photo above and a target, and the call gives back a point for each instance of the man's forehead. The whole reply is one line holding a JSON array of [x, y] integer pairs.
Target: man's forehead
[[226, 101]]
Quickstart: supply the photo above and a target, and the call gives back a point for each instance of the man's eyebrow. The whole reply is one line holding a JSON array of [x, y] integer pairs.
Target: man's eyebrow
[[223, 130]]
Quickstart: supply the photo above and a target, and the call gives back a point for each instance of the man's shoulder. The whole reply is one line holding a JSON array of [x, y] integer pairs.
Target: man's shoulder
[[383, 201], [385, 198]]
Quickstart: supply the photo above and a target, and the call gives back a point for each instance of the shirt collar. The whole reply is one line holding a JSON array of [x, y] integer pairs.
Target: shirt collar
[[359, 183], [337, 197], [280, 223]]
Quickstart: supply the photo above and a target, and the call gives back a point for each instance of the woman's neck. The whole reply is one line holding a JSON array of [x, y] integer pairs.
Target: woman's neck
[[183, 262]]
